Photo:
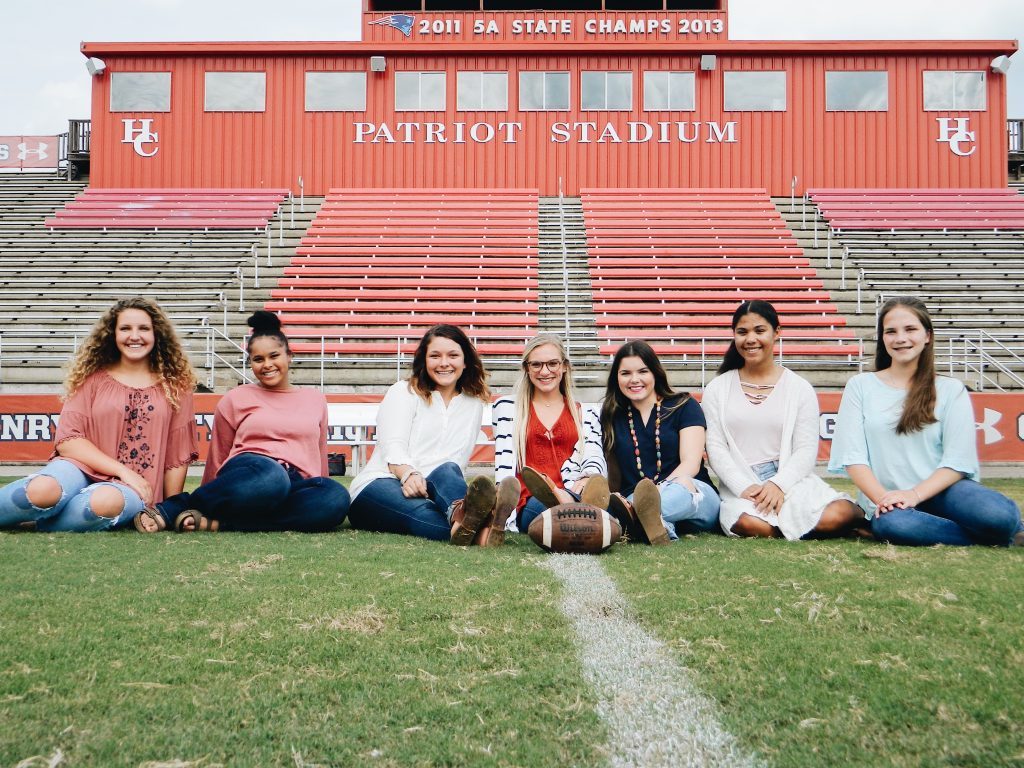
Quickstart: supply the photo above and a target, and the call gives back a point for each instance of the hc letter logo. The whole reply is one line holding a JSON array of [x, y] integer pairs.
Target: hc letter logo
[[953, 131], [139, 136]]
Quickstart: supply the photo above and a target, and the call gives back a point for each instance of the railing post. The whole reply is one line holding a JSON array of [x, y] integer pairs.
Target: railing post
[[241, 288], [828, 250], [803, 213], [981, 362], [842, 273], [565, 264], [223, 299], [860, 280], [302, 195], [270, 239], [703, 362], [291, 199], [255, 266], [792, 195], [280, 225]]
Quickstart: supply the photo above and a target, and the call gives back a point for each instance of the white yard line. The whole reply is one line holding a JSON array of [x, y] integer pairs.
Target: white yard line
[[654, 713]]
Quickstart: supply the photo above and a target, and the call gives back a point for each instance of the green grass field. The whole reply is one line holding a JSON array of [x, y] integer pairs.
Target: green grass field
[[366, 649]]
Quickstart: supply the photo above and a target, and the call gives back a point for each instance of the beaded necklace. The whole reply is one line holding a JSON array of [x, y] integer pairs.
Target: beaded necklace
[[657, 440]]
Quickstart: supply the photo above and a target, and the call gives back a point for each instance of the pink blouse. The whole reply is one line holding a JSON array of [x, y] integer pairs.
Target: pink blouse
[[288, 425], [137, 427]]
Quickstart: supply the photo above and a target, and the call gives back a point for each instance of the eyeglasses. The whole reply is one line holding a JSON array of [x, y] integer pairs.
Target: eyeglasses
[[537, 365]]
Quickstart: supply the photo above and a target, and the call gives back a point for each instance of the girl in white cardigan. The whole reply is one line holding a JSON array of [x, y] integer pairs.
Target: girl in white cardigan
[[762, 440]]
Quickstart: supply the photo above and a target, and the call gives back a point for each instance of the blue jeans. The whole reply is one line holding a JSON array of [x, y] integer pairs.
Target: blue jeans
[[965, 513], [256, 493], [380, 506], [73, 512], [685, 512]]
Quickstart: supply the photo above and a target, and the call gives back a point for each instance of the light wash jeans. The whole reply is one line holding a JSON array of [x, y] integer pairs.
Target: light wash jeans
[[965, 513], [381, 506], [685, 512], [73, 512]]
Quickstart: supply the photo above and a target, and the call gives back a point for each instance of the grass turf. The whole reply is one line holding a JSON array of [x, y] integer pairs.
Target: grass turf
[[253, 649], [353, 648]]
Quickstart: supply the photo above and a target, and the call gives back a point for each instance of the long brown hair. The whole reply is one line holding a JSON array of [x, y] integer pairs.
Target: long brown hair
[[167, 359], [919, 407], [615, 402], [472, 382]]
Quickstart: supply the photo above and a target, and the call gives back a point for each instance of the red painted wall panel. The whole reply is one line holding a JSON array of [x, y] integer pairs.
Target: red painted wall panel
[[897, 148]]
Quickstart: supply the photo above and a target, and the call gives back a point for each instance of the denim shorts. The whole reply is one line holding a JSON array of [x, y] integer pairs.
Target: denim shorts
[[766, 470]]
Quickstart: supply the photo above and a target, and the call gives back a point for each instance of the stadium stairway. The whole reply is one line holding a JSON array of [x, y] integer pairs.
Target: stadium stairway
[[55, 283], [970, 277]]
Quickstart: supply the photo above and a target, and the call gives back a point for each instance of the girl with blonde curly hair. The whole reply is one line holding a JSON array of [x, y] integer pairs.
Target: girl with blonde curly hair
[[126, 433]]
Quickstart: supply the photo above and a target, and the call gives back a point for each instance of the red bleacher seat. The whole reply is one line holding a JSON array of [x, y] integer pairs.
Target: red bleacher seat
[[686, 258], [385, 264], [170, 209], [937, 209]]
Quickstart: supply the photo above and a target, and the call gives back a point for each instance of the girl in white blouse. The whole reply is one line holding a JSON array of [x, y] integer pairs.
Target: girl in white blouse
[[427, 427]]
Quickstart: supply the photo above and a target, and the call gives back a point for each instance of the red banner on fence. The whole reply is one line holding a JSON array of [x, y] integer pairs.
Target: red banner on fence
[[28, 424], [23, 152]]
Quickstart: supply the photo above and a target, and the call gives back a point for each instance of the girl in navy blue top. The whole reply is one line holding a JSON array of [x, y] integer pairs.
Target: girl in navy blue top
[[655, 437]]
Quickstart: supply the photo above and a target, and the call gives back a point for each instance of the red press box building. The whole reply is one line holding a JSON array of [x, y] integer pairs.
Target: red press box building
[[478, 93]]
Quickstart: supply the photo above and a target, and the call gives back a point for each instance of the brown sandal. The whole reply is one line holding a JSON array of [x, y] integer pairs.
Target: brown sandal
[[199, 522], [153, 515]]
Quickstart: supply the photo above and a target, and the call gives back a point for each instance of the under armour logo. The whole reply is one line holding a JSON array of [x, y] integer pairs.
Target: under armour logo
[[953, 131], [140, 136], [39, 151], [988, 426]]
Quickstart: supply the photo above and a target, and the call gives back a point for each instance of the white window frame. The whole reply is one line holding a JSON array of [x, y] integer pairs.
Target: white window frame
[[669, 75], [954, 106], [420, 77], [545, 107], [325, 78], [588, 74], [464, 87], [732, 75]]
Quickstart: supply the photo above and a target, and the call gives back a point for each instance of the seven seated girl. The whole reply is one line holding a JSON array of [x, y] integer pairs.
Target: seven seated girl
[[904, 436]]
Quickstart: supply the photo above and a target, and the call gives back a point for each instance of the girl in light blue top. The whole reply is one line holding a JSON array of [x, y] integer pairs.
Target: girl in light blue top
[[906, 438]]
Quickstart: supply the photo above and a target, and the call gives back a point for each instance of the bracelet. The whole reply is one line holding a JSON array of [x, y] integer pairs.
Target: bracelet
[[409, 474]]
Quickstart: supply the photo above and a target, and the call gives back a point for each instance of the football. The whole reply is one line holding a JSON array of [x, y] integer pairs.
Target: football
[[575, 529]]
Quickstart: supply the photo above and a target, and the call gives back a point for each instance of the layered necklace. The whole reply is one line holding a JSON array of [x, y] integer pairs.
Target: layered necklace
[[657, 440]]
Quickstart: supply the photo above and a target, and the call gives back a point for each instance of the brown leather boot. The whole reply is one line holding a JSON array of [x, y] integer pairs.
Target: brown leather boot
[[595, 492], [647, 505], [622, 510], [468, 516], [541, 487], [505, 503]]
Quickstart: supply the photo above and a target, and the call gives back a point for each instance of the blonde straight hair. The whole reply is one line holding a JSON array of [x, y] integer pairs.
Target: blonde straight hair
[[524, 390]]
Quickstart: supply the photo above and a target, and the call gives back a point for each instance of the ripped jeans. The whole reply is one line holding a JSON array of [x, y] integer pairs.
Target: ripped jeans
[[73, 512]]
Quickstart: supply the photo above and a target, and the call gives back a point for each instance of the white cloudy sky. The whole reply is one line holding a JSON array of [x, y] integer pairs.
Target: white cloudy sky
[[45, 82]]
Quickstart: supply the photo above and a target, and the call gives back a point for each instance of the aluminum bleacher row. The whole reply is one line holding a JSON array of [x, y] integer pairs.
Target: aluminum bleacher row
[[377, 267], [170, 209], [671, 265], [930, 209]]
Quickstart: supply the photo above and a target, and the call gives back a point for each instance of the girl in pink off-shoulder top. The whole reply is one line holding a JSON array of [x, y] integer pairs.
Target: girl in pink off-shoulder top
[[126, 433], [267, 468]]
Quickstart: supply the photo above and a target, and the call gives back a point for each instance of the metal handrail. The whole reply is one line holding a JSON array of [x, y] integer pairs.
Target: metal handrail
[[565, 267]]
